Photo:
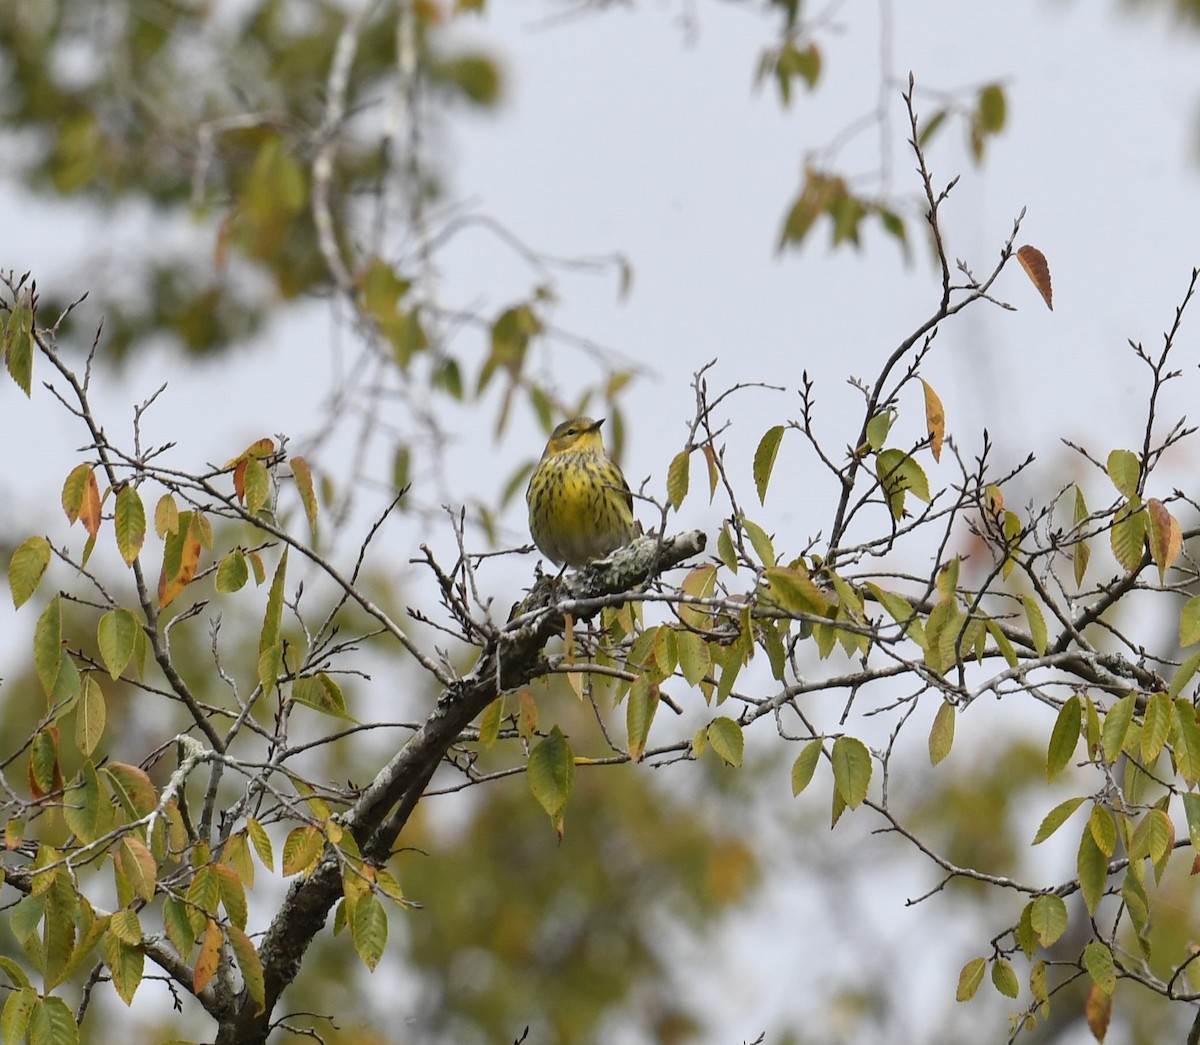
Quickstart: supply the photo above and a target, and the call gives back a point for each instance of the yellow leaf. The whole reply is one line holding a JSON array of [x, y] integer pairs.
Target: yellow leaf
[[935, 420]]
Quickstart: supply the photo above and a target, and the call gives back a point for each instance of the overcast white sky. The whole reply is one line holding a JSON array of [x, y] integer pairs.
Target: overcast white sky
[[627, 132]]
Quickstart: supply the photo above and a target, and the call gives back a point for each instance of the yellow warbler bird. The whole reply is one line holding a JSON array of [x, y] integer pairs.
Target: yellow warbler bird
[[580, 507]]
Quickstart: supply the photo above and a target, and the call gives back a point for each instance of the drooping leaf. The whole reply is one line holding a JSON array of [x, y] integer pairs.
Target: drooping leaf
[[764, 460], [1092, 868], [805, 765], [1004, 978], [26, 567], [1125, 471], [678, 478], [639, 714], [1048, 916], [970, 978], [552, 772], [935, 420], [1165, 536], [302, 474], [130, 523], [941, 735], [1057, 816], [1033, 261], [116, 635], [1064, 737], [1098, 961], [726, 739], [47, 645], [851, 770]]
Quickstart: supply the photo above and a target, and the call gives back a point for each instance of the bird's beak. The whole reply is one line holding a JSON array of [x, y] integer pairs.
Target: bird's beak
[[596, 426]]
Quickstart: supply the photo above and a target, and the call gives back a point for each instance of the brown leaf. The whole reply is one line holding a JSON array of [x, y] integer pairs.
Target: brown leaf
[[1033, 261]]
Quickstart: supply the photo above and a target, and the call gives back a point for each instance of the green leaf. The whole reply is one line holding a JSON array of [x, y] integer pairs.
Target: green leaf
[[26, 567], [1048, 917], [878, 428], [695, 658], [941, 736], [639, 714], [1037, 624], [1187, 746], [992, 109], [18, 343], [1064, 737], [970, 978], [1092, 866], [321, 692], [90, 715], [759, 540], [1128, 535], [552, 772], [678, 478], [116, 635], [1156, 726], [47, 645], [764, 460], [900, 474], [1125, 472], [1184, 674], [805, 765], [369, 930], [1004, 978], [1002, 643], [53, 1023], [851, 770], [130, 523], [273, 618], [1104, 830], [1116, 726], [1057, 816], [251, 965], [726, 739], [1189, 622], [233, 572], [726, 551], [1098, 961]]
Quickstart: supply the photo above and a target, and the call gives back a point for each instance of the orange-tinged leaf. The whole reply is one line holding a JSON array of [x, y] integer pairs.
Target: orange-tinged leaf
[[302, 849], [1098, 1008], [139, 866], [1033, 261], [302, 473], [75, 490], [1166, 537], [710, 459], [206, 960], [181, 556], [935, 420]]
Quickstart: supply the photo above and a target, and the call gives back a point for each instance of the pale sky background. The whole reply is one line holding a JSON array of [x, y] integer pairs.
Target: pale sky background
[[629, 132]]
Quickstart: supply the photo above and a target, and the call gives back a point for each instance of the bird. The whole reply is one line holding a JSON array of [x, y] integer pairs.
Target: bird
[[580, 506]]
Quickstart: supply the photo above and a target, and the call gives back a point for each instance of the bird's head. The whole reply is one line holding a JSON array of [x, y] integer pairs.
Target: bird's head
[[576, 435]]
